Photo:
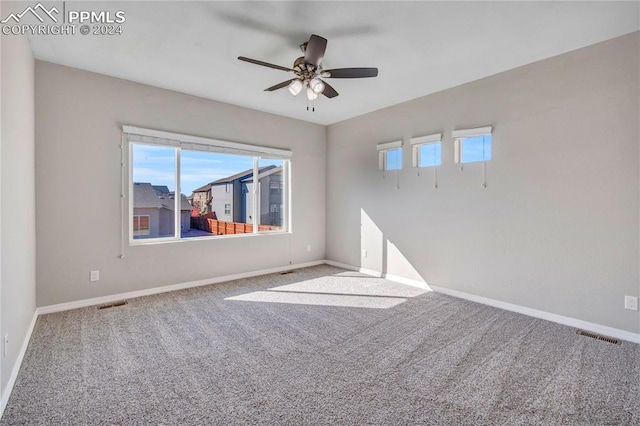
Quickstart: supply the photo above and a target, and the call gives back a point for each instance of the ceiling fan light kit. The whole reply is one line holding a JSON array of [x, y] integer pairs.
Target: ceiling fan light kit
[[308, 70], [316, 85], [311, 95], [295, 87]]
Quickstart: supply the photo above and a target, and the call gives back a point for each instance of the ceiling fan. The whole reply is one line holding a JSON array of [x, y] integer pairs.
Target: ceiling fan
[[309, 72]]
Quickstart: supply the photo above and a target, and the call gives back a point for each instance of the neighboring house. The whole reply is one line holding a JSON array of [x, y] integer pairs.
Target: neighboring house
[[271, 196], [201, 199], [153, 208], [228, 199]]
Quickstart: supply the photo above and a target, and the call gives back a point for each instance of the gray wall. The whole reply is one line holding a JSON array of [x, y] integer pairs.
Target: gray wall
[[557, 227], [220, 197], [17, 194], [78, 129]]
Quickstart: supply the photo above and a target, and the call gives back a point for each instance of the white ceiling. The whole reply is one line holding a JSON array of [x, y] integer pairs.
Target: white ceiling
[[419, 47]]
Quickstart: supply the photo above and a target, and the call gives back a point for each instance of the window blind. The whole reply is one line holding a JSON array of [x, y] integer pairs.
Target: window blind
[[389, 145], [470, 133], [197, 143], [436, 137]]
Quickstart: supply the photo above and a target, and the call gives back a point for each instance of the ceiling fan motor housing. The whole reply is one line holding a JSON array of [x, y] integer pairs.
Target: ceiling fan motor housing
[[304, 70]]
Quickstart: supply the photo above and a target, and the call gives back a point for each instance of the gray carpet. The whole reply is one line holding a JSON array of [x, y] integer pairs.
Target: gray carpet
[[271, 350]]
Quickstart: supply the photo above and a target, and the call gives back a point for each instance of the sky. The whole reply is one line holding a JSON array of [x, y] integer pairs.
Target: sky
[[476, 149], [156, 165]]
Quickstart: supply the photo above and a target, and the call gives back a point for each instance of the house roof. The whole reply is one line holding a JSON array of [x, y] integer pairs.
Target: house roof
[[240, 176], [266, 171], [229, 179], [146, 195], [204, 188], [161, 189]]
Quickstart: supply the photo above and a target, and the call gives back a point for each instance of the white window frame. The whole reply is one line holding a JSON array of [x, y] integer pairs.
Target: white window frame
[[225, 209], [141, 136], [460, 135], [418, 142], [383, 149]]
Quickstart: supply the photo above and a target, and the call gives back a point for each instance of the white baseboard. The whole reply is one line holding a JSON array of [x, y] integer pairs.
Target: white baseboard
[[17, 365], [407, 281], [354, 268], [560, 319], [390, 277], [164, 289], [342, 265]]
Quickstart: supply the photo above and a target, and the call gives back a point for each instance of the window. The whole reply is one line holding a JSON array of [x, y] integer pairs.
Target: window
[[275, 188], [271, 194], [390, 155], [274, 214], [166, 168], [472, 145], [427, 150], [140, 225], [153, 187]]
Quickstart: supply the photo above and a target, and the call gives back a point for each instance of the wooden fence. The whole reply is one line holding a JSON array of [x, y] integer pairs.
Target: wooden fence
[[218, 227]]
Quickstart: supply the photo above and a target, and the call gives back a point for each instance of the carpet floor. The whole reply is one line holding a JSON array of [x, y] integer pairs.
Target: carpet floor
[[319, 346]]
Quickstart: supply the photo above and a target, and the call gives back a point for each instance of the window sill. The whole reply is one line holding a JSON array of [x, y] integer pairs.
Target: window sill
[[155, 241]]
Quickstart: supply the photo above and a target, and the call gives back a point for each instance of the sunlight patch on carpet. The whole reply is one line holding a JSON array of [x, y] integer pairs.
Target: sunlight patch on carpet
[[297, 298]]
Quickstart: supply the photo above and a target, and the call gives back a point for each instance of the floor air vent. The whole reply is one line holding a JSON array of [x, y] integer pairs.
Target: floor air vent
[[598, 337], [113, 305]]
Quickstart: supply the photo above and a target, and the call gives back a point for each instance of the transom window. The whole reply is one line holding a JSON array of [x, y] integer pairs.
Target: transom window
[[390, 156], [472, 145], [426, 151]]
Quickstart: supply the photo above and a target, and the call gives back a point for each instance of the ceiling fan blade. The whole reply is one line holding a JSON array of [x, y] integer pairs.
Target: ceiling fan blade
[[264, 64], [279, 85], [315, 50], [350, 73], [329, 91]]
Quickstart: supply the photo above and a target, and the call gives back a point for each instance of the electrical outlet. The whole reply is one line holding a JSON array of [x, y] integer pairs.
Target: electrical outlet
[[95, 276], [631, 303], [364, 254], [6, 343], [309, 248]]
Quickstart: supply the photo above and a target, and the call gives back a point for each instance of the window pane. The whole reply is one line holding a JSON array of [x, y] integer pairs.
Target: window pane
[[153, 191], [217, 184], [272, 195], [476, 149], [430, 154], [393, 159]]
